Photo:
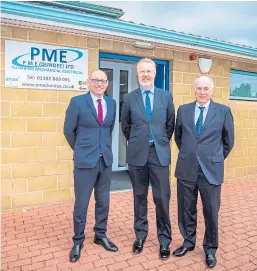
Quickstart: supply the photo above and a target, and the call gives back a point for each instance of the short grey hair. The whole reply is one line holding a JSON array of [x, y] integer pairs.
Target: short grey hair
[[204, 76], [146, 60]]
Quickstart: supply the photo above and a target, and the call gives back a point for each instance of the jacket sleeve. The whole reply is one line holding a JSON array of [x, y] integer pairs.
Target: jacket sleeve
[[178, 129], [228, 136], [125, 118], [71, 123], [170, 124]]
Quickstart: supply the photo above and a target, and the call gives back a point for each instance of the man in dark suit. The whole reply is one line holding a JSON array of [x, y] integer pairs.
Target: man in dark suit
[[204, 135], [148, 121], [88, 125]]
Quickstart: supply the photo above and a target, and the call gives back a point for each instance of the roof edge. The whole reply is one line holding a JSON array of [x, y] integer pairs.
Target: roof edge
[[123, 27], [81, 7]]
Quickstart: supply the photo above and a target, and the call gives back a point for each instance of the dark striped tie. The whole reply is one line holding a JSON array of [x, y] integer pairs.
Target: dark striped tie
[[199, 123]]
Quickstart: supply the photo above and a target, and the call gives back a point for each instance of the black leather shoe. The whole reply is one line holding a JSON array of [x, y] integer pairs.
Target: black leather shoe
[[138, 246], [107, 244], [210, 260], [164, 252], [181, 251], [75, 253]]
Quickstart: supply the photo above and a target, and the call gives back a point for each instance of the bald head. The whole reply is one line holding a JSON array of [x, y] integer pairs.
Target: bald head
[[97, 73], [97, 83], [203, 87], [204, 78]]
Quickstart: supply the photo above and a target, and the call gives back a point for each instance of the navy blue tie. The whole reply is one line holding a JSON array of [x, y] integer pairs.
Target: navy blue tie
[[148, 110], [199, 123]]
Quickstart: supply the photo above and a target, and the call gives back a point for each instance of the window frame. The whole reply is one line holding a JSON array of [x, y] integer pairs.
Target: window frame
[[242, 73]]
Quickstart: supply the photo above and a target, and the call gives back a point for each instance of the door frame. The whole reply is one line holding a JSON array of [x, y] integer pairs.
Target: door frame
[[165, 63], [109, 57], [116, 95]]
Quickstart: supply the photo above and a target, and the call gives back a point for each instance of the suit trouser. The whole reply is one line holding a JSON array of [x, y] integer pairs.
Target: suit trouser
[[159, 178], [85, 180], [187, 193]]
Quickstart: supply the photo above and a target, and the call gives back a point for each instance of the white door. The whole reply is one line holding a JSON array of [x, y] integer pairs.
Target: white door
[[120, 82]]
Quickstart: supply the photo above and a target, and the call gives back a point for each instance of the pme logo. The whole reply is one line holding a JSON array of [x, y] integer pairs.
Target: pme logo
[[38, 57]]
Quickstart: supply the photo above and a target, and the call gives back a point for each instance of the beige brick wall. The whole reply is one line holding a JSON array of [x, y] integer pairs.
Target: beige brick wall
[[243, 159], [36, 162]]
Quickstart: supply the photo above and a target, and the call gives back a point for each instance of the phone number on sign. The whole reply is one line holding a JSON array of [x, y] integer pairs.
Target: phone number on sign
[[48, 78]]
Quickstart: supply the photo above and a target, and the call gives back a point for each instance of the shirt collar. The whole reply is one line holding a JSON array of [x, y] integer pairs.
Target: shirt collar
[[143, 90], [95, 98], [206, 106]]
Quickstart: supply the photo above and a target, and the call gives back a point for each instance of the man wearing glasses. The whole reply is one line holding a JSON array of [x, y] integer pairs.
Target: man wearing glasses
[[88, 126]]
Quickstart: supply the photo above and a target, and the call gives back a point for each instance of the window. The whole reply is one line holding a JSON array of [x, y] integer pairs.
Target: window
[[243, 85]]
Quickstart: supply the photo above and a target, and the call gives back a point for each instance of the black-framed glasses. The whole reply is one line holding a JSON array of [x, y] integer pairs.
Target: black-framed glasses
[[97, 81]]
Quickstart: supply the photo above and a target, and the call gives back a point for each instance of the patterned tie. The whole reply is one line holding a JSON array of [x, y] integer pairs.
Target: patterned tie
[[100, 111], [148, 110], [199, 123]]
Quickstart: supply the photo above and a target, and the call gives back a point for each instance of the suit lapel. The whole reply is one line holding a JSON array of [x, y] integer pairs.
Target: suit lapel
[[91, 105], [210, 114], [108, 113], [141, 102], [156, 100], [191, 116]]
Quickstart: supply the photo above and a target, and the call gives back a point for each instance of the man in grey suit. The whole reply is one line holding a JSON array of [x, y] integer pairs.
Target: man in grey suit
[[148, 121], [204, 135], [88, 125]]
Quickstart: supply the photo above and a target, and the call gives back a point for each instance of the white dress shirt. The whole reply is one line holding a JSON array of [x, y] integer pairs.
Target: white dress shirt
[[198, 111], [95, 102]]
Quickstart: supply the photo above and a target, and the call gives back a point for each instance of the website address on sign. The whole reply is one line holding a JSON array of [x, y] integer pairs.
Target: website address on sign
[[47, 85]]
